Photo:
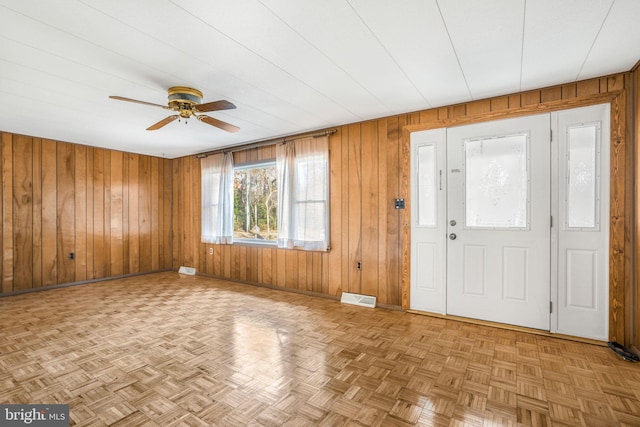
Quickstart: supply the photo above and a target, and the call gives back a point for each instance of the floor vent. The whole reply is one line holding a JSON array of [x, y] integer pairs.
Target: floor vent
[[187, 270], [357, 299]]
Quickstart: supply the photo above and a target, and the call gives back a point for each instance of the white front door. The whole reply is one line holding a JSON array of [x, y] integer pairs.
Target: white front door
[[582, 280], [428, 228], [516, 224], [498, 221]]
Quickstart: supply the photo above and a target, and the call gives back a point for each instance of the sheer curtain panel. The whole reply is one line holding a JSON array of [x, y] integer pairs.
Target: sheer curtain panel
[[217, 198], [303, 194]]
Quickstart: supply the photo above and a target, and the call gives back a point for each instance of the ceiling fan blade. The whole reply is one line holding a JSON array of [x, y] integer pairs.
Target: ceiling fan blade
[[218, 123], [120, 98], [214, 106], [163, 122]]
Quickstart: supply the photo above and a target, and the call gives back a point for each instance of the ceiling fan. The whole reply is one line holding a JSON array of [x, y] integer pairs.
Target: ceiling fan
[[186, 102]]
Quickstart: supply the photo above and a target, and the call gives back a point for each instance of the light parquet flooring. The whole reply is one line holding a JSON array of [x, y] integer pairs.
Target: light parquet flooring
[[171, 350]]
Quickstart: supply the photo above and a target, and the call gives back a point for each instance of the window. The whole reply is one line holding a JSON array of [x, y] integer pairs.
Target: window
[[255, 203], [284, 201], [583, 158], [427, 192]]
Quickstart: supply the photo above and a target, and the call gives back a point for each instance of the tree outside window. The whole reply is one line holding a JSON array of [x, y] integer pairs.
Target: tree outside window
[[255, 207]]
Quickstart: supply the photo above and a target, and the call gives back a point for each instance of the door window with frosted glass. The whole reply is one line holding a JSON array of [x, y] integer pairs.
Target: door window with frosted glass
[[583, 153], [496, 182]]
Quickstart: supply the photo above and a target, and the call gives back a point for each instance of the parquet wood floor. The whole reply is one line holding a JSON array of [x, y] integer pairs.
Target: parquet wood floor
[[170, 350]]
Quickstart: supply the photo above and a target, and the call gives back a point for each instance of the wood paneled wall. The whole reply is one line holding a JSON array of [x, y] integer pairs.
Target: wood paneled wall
[[110, 209], [369, 169], [634, 293], [364, 178]]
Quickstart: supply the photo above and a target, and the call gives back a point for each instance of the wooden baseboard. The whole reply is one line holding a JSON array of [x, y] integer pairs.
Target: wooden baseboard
[[82, 282], [277, 288]]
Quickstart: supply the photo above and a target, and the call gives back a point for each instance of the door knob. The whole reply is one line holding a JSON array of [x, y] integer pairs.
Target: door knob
[[452, 236]]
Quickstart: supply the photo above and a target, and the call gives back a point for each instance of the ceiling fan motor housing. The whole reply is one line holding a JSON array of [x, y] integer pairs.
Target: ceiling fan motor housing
[[182, 99]]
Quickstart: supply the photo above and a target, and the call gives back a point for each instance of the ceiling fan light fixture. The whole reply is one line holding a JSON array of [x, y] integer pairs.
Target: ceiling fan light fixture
[[182, 99], [186, 102], [185, 94]]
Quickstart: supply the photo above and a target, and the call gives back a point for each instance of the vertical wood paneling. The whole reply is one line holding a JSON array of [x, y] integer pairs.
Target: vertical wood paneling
[[617, 224], [391, 269], [291, 269], [217, 261], [267, 266], [167, 185], [281, 268], [178, 178], [116, 220], [90, 217], [302, 280], [155, 214], [60, 198], [234, 259], [344, 214], [65, 213], [164, 214], [37, 213], [99, 264], [134, 223], [144, 212], [335, 214], [126, 267], [3, 137], [629, 241], [22, 212], [7, 213], [49, 214], [370, 202], [107, 213], [386, 191], [634, 304], [80, 209], [186, 219], [355, 208]]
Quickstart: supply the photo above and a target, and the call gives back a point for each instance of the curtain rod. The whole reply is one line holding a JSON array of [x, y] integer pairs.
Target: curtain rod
[[258, 144]]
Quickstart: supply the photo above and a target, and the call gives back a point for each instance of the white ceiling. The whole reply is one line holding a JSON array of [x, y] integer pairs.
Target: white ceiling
[[289, 66]]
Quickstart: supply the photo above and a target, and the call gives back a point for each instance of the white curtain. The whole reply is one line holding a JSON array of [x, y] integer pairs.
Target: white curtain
[[217, 198], [303, 194]]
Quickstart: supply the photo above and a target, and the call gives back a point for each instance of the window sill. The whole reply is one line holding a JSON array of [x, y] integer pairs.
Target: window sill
[[258, 243], [268, 244]]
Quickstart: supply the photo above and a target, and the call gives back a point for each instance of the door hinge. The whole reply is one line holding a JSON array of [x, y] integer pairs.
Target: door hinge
[[550, 135], [551, 222], [550, 307]]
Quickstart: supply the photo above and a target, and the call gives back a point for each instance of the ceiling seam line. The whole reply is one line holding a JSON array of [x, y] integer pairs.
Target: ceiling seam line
[[187, 54], [594, 40], [524, 23], [267, 60], [326, 56], [455, 52], [388, 53]]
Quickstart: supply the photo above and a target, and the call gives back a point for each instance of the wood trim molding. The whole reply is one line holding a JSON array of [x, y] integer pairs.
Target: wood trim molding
[[562, 104]]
